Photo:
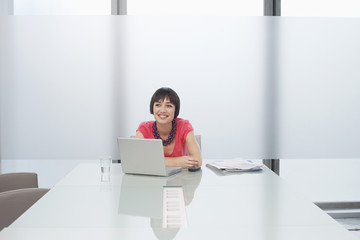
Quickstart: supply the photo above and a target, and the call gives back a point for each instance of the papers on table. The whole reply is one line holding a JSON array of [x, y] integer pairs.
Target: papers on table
[[236, 165]]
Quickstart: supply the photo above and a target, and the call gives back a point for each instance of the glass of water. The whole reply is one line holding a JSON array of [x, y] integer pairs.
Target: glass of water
[[105, 164]]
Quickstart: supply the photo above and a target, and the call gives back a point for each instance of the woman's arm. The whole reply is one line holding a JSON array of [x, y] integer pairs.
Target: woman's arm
[[194, 158], [193, 148], [139, 134]]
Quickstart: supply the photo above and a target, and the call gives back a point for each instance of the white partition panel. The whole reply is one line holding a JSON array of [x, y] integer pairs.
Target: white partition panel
[[257, 87], [56, 88], [216, 65], [319, 88]]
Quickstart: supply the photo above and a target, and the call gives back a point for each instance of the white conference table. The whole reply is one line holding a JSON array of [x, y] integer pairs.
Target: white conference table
[[258, 205]]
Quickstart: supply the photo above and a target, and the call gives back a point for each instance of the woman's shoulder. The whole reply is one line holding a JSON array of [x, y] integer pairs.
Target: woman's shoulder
[[145, 126], [184, 124], [146, 129], [182, 121], [146, 123]]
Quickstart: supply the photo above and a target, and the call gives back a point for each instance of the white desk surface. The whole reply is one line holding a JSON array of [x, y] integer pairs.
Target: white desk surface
[[235, 206]]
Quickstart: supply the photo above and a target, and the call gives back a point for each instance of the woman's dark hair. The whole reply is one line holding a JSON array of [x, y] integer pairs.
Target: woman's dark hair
[[161, 94]]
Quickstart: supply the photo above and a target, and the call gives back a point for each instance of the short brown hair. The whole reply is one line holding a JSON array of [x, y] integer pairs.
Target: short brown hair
[[162, 94]]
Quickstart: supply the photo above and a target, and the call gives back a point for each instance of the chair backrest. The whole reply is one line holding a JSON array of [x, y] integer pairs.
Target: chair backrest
[[198, 139], [16, 202], [18, 180]]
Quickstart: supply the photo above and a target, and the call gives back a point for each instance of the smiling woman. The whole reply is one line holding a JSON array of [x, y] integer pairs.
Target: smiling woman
[[180, 146]]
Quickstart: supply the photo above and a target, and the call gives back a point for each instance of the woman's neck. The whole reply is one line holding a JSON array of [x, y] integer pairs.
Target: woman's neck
[[164, 129]]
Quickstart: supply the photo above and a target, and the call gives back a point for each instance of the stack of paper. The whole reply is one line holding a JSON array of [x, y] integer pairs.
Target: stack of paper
[[236, 165]]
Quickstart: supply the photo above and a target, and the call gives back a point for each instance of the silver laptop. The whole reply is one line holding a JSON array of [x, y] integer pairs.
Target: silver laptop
[[144, 156]]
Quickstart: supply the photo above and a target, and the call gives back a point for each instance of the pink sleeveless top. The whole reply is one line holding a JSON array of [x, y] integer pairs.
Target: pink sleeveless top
[[183, 127]]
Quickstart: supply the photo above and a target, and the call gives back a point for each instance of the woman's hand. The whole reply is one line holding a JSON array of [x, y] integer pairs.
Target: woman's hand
[[187, 162], [184, 162]]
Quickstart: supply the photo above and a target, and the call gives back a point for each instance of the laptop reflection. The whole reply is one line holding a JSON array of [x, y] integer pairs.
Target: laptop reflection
[[145, 196]]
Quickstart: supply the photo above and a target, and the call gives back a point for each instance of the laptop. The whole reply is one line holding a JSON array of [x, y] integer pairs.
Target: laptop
[[144, 156]]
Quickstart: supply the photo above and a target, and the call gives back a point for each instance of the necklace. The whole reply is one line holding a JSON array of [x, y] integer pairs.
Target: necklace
[[171, 135]]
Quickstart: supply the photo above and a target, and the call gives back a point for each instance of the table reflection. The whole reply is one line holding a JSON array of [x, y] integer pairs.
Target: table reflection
[[143, 196]]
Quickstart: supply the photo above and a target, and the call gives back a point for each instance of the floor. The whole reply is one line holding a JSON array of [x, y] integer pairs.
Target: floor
[[352, 224]]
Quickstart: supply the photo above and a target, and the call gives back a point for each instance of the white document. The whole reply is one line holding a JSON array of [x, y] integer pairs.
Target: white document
[[236, 165]]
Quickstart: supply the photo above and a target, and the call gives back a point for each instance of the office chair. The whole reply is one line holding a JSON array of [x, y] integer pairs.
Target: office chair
[[18, 180], [15, 202], [198, 139]]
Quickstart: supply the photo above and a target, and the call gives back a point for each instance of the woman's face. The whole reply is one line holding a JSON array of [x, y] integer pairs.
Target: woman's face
[[164, 111]]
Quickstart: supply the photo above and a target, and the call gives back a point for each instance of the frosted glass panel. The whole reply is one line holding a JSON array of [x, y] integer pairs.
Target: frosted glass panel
[[216, 65], [255, 87], [319, 88], [56, 88]]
